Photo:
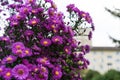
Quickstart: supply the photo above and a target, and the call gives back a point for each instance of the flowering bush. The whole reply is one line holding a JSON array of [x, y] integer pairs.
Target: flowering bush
[[39, 45]]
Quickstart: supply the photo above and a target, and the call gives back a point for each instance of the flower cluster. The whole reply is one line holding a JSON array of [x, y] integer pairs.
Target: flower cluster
[[39, 45]]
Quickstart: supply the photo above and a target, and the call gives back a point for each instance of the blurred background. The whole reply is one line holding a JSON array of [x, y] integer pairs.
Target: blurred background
[[104, 56]]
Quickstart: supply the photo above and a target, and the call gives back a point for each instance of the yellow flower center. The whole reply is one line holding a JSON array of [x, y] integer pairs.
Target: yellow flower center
[[8, 74], [30, 1], [53, 26], [43, 69], [55, 30], [45, 42], [19, 51], [36, 69], [66, 50], [43, 61], [33, 11], [18, 16], [56, 73], [25, 10], [56, 39], [26, 51], [9, 59], [34, 22], [20, 71], [83, 15], [18, 46]]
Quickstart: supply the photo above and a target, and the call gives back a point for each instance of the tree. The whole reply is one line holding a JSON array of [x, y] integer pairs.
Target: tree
[[112, 75], [115, 13]]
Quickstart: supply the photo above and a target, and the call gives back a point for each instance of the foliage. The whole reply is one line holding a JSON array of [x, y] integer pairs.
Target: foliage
[[91, 74], [109, 75], [112, 75]]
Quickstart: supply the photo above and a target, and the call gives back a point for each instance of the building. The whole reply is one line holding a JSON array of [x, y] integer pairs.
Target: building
[[104, 58]]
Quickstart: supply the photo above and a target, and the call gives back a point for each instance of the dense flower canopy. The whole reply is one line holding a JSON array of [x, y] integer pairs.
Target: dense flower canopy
[[39, 45]]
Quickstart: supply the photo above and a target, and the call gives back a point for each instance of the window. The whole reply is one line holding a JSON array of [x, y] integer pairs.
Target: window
[[109, 56], [109, 64]]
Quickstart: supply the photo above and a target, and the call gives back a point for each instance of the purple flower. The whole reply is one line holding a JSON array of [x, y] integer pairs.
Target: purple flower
[[36, 48], [21, 1], [4, 3], [57, 39], [43, 61], [73, 42], [30, 1], [34, 11], [25, 10], [45, 42], [34, 21], [4, 38], [17, 47], [86, 16], [27, 52], [20, 53], [2, 68], [67, 49], [14, 23], [20, 71], [57, 73], [50, 1], [7, 74], [85, 49], [71, 32], [30, 77], [90, 35], [19, 17], [51, 11], [28, 32], [1, 10], [70, 7], [9, 59], [41, 76], [42, 73]]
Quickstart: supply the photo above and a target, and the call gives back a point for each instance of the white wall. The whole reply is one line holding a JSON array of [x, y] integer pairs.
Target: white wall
[[104, 60]]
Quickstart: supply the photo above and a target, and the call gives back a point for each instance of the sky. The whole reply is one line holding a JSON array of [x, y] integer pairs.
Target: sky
[[105, 23]]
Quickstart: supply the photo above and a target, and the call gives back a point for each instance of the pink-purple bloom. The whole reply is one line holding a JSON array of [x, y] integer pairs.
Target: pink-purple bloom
[[57, 39], [30, 2], [28, 33], [17, 47], [4, 38], [9, 59], [20, 71], [57, 73], [27, 52], [45, 42], [67, 49], [25, 10], [43, 61], [41, 76], [7, 74], [14, 23], [2, 68], [34, 22]]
